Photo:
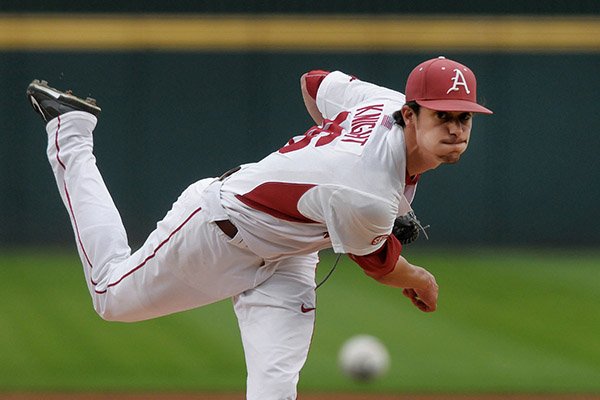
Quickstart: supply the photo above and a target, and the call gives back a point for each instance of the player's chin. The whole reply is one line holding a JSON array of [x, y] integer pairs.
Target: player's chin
[[450, 153], [450, 158]]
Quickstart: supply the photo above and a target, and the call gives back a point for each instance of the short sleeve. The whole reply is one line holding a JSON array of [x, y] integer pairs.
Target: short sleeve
[[357, 222]]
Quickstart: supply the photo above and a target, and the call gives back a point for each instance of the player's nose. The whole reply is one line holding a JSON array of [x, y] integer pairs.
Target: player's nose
[[455, 127]]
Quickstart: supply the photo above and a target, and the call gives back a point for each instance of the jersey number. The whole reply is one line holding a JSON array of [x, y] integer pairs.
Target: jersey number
[[326, 133]]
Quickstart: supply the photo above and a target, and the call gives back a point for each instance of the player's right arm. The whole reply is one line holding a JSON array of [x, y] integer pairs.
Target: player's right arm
[[309, 84], [326, 94]]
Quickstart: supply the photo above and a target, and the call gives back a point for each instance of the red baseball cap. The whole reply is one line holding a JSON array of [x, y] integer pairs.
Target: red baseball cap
[[444, 85]]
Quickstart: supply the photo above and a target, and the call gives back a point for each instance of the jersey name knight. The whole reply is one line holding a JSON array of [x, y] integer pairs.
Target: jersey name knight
[[362, 124]]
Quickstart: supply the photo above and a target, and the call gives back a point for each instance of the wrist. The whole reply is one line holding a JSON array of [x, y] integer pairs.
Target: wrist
[[421, 278]]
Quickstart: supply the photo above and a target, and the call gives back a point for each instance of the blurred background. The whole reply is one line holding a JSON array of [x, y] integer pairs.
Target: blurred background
[[189, 89]]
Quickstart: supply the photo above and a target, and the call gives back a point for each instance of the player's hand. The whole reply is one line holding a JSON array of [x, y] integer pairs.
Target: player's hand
[[417, 284], [425, 299]]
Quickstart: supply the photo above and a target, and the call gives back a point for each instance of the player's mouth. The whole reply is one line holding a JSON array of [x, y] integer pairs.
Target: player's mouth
[[456, 146], [453, 141]]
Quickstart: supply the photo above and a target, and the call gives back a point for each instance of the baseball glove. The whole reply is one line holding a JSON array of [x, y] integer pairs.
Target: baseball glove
[[406, 228]]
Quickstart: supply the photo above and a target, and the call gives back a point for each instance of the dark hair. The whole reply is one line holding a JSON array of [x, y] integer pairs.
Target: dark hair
[[397, 115]]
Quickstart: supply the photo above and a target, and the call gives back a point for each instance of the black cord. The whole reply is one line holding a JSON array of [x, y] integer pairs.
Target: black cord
[[330, 272]]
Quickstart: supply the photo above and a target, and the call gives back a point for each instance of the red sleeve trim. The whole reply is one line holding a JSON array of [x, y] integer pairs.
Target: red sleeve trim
[[313, 80], [381, 262]]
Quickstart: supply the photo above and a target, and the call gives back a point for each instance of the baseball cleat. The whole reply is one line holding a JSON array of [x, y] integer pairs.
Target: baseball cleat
[[50, 102]]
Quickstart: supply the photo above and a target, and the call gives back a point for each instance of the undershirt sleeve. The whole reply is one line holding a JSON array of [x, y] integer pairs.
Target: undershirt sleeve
[[313, 80], [382, 261]]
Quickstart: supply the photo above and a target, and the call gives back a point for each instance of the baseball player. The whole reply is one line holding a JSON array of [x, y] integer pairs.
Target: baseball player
[[254, 233]]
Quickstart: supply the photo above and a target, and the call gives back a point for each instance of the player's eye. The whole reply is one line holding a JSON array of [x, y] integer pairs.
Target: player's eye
[[464, 117], [442, 115]]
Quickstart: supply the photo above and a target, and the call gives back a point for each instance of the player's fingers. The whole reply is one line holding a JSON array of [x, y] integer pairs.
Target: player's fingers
[[410, 293], [428, 307], [422, 306], [428, 302], [414, 298], [425, 300]]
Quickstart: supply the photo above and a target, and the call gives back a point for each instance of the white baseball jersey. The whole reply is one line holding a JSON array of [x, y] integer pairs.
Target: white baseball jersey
[[339, 185]]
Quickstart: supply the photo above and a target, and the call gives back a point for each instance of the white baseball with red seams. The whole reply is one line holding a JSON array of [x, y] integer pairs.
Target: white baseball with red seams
[[341, 185]]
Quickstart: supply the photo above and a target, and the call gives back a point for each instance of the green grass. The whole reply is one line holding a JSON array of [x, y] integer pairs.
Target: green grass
[[508, 321]]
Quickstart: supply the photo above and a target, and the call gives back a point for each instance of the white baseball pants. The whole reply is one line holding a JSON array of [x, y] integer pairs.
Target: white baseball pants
[[186, 262]]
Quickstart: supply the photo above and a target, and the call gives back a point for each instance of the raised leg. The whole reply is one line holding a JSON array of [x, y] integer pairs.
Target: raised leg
[[185, 263]]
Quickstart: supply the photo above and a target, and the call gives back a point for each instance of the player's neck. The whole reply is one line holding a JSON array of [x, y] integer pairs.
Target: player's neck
[[416, 164]]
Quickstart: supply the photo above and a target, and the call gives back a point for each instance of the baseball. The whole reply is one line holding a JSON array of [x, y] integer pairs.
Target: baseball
[[364, 358]]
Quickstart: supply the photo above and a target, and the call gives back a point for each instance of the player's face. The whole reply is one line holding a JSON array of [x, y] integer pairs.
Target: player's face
[[443, 135]]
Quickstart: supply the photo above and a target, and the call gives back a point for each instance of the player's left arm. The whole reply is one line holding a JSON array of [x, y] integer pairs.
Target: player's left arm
[[359, 225], [388, 267], [418, 284]]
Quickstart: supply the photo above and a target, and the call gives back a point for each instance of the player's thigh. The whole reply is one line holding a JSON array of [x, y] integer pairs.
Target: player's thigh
[[291, 287], [276, 318], [186, 262]]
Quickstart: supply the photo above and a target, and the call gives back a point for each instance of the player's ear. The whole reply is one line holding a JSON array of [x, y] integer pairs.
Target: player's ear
[[407, 114]]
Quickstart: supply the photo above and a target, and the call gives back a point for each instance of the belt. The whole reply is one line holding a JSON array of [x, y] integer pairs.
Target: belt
[[227, 227]]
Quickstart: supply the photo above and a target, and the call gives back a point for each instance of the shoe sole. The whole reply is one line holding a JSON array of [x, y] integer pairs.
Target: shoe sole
[[89, 104]]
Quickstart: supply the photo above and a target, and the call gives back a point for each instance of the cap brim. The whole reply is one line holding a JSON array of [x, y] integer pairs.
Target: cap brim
[[454, 105]]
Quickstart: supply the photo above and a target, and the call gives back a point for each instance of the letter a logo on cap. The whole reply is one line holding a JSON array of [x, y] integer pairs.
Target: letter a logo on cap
[[459, 80], [429, 81]]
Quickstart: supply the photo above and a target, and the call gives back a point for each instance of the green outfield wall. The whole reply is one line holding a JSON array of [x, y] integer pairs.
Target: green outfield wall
[[174, 114]]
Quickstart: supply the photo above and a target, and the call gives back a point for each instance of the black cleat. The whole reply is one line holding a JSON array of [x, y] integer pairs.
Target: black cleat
[[50, 102]]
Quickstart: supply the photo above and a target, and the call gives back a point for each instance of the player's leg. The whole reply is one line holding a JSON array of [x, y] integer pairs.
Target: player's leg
[[94, 217], [69, 124], [186, 262], [276, 322]]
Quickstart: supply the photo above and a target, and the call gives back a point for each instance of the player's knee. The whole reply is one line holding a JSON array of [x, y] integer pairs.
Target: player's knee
[[273, 391], [113, 313], [272, 384], [104, 312]]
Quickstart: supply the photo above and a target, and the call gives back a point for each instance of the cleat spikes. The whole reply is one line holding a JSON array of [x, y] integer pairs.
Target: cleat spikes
[[50, 102]]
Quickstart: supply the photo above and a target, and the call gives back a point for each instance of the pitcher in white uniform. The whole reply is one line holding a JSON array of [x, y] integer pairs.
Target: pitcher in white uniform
[[254, 234]]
